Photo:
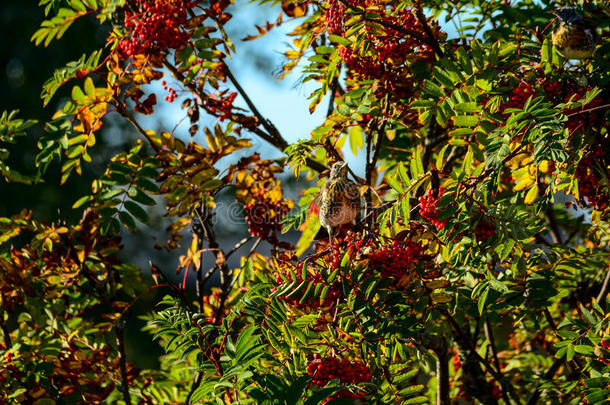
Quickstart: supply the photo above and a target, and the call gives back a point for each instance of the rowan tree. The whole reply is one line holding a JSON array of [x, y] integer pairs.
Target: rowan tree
[[477, 271]]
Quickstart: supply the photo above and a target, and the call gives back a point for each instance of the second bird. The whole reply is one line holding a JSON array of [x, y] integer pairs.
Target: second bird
[[573, 37]]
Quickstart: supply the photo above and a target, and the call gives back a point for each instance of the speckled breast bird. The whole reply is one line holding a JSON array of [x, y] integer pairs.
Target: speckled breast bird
[[339, 200], [573, 37]]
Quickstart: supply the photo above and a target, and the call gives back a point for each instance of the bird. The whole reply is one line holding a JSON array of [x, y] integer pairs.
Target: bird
[[339, 200], [573, 37]]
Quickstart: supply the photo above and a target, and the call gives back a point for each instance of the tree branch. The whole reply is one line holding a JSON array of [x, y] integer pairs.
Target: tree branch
[[439, 346], [268, 125]]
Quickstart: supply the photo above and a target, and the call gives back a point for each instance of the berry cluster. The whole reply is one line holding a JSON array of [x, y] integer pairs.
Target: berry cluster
[[385, 58], [485, 229], [334, 17], [396, 259], [221, 106], [311, 302], [155, 25], [172, 93], [264, 216], [590, 182], [520, 94], [322, 371], [428, 208]]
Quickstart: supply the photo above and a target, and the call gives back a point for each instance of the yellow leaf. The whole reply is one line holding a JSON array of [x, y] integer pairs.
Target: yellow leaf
[[531, 195], [81, 255], [547, 166], [522, 185]]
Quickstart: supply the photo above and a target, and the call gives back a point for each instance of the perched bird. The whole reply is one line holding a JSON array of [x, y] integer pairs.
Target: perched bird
[[340, 199], [573, 37]]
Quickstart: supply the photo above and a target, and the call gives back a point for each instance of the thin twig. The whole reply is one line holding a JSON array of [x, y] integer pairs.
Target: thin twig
[[438, 344], [371, 163], [221, 263], [125, 113], [113, 277], [238, 245], [333, 90], [179, 292], [494, 354], [492, 343], [259, 240], [601, 297], [196, 383], [549, 319], [120, 340], [198, 284]]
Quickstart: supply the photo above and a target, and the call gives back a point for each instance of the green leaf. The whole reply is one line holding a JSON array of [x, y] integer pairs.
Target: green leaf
[[498, 285], [587, 315], [584, 349], [415, 400], [127, 221], [78, 95], [507, 249], [433, 89], [138, 212], [439, 158], [391, 180], [567, 334], [482, 300], [89, 88], [465, 120], [468, 107]]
